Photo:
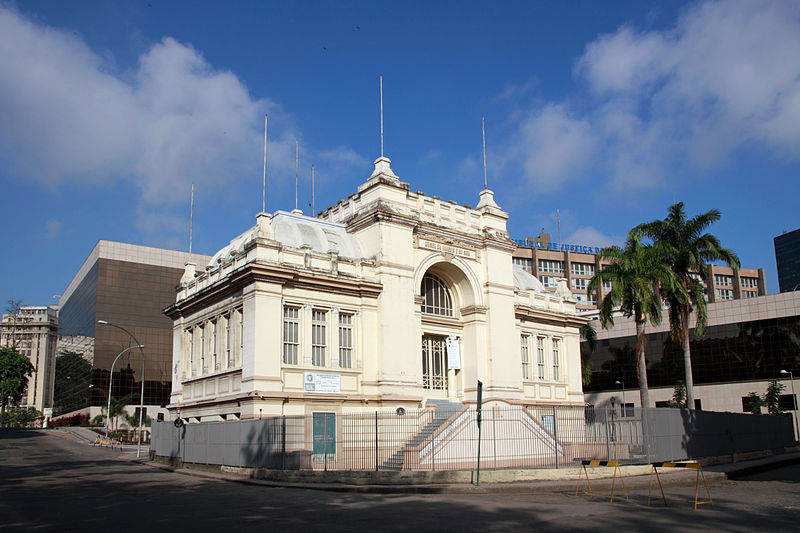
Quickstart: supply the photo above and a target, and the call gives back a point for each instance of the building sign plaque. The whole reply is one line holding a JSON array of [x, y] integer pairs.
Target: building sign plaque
[[323, 382], [453, 353], [447, 249]]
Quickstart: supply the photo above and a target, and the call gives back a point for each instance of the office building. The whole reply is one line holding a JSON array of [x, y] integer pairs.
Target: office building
[[550, 261], [747, 344], [128, 286], [32, 332], [787, 259]]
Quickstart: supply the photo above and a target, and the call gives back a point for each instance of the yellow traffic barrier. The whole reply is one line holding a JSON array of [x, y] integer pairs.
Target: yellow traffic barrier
[[615, 464], [682, 464]]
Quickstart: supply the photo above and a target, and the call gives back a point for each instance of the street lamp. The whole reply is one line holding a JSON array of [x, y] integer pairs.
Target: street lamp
[[794, 398], [111, 381], [623, 395], [141, 398]]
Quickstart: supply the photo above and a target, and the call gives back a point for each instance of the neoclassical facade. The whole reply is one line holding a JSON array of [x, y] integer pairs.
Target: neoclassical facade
[[388, 299]]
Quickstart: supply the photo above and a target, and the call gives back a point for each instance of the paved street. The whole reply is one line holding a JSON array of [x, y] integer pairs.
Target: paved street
[[49, 482]]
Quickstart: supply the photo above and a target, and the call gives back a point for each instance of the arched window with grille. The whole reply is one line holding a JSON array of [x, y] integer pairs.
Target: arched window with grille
[[437, 299]]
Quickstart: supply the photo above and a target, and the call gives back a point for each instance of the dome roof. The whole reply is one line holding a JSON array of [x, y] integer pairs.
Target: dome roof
[[525, 281], [296, 230]]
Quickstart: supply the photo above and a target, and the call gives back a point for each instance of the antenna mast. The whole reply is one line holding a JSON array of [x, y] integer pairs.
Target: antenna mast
[[313, 207], [296, 161], [483, 132], [191, 218], [381, 78], [558, 221], [264, 182]]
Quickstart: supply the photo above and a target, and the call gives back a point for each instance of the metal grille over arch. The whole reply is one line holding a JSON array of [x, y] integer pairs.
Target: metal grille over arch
[[436, 295]]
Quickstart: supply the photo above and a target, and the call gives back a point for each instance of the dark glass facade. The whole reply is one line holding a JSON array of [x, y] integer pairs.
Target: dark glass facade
[[130, 295], [744, 351], [787, 259]]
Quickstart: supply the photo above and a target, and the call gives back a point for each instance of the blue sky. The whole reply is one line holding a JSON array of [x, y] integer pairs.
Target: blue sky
[[606, 111]]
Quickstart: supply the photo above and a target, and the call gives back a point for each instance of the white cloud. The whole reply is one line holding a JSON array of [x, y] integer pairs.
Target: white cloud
[[68, 115], [726, 74], [589, 236], [53, 229], [554, 146]]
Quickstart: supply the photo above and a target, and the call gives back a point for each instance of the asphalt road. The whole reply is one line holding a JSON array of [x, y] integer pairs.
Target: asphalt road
[[51, 483]]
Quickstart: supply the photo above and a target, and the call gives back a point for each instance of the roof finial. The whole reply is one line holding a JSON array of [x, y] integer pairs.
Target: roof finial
[[296, 162], [381, 85]]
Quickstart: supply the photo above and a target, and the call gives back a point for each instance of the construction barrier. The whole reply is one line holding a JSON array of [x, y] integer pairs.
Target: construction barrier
[[106, 441], [685, 464], [617, 470]]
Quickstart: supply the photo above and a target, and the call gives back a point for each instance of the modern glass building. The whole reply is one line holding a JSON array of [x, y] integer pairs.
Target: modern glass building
[[127, 286], [747, 343], [787, 259]]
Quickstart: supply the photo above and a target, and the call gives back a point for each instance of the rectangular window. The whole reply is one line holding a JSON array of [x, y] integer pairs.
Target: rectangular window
[[291, 335], [549, 281], [607, 286], [725, 281], [318, 339], [238, 355], [524, 354], [749, 283], [749, 294], [555, 360], [786, 402], [540, 356], [582, 269], [212, 344], [226, 320], [724, 294], [345, 340], [524, 262], [189, 367], [202, 343], [579, 284], [546, 265]]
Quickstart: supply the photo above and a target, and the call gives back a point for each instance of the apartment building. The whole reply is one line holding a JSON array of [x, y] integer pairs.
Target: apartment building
[[549, 261]]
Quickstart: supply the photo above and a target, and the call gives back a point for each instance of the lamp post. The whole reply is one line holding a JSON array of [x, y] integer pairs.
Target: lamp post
[[623, 395], [794, 399], [111, 381], [141, 397]]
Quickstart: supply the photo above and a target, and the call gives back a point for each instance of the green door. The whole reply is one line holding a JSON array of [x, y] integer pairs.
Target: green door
[[324, 427]]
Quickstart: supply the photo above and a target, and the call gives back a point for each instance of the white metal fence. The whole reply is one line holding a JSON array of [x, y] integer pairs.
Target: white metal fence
[[447, 439]]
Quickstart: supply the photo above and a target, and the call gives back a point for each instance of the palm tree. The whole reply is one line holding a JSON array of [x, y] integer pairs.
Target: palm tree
[[590, 336], [687, 251], [635, 272]]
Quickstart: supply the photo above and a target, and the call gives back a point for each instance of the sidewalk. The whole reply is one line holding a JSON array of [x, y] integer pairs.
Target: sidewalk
[[527, 481]]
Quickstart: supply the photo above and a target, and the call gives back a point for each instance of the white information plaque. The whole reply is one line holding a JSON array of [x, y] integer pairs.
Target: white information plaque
[[323, 382]]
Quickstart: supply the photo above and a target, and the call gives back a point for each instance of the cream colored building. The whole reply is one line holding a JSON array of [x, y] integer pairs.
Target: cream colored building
[[32, 332], [388, 299]]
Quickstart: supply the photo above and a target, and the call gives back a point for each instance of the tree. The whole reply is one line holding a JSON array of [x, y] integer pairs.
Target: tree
[[12, 308], [772, 397], [118, 406], [636, 272], [678, 395], [590, 336], [753, 403], [687, 250], [15, 369]]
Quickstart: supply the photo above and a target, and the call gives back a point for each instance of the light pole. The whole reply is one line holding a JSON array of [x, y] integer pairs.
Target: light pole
[[111, 381], [794, 399], [623, 395], [141, 398]]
